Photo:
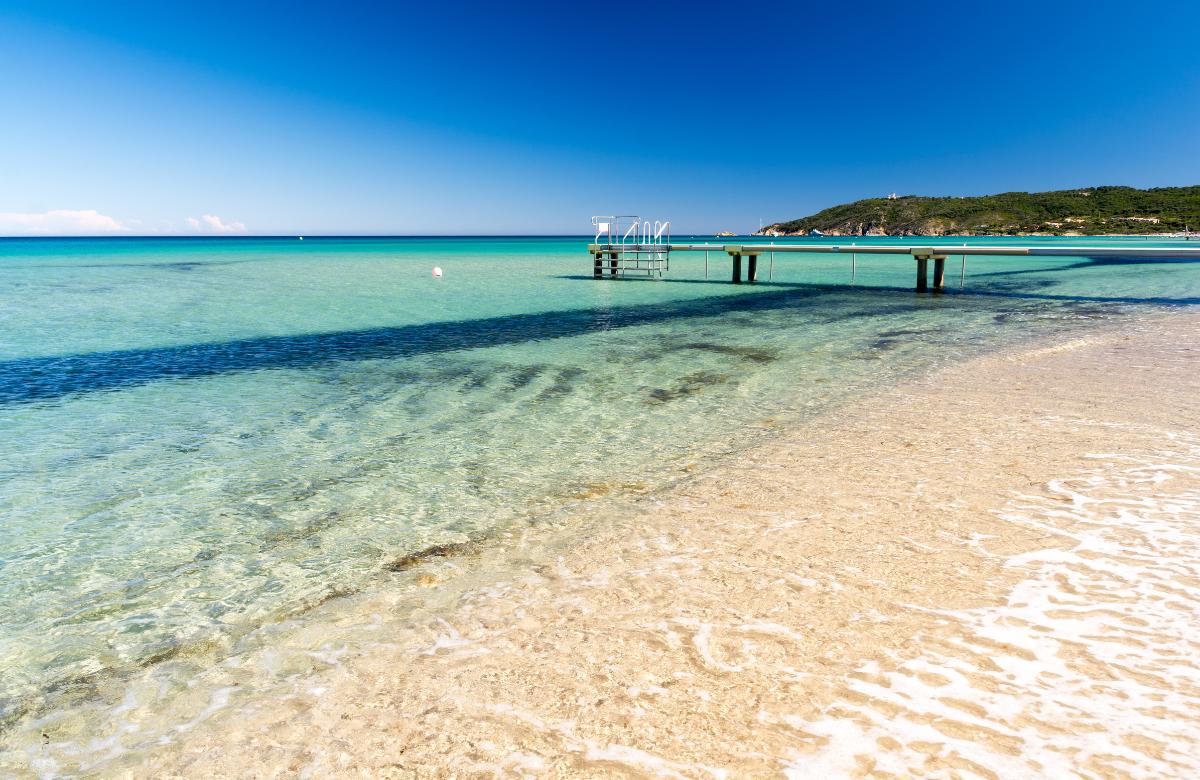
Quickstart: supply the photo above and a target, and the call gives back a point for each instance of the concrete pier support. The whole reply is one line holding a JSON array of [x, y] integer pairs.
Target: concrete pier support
[[752, 270], [923, 255]]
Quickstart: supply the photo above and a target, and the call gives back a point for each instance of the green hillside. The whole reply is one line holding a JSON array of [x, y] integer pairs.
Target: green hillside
[[1091, 211]]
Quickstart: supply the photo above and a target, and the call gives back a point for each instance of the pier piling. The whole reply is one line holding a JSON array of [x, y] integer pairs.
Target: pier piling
[[922, 274], [923, 255]]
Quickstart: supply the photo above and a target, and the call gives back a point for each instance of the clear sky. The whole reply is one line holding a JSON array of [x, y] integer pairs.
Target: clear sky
[[451, 117]]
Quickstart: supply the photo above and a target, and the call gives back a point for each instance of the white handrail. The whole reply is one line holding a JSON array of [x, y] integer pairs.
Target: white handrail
[[642, 232], [604, 224], [624, 239], [610, 225]]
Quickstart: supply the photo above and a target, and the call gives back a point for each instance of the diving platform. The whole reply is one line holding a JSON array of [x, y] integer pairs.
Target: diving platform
[[634, 246], [625, 256]]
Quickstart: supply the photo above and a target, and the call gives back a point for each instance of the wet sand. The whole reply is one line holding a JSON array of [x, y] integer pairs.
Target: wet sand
[[991, 572]]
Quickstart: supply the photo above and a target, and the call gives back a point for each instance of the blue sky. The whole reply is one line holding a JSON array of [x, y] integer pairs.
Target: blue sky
[[452, 117]]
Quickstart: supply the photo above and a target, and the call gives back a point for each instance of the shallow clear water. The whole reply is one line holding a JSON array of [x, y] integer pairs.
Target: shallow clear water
[[199, 437]]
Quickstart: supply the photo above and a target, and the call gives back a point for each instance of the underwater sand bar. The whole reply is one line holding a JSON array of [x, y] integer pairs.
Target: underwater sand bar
[[991, 572]]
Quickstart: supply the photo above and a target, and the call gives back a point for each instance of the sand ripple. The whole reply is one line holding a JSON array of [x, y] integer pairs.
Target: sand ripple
[[1092, 664]]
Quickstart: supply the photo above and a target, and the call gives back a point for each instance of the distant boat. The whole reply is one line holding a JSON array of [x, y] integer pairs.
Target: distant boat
[[815, 232]]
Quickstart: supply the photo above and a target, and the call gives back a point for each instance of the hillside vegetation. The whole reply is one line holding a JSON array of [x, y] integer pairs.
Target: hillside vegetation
[[1091, 211]]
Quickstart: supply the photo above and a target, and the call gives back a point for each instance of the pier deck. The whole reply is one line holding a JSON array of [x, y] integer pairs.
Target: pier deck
[[608, 257]]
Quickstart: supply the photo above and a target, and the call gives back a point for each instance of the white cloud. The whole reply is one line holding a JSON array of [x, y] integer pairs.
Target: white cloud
[[59, 222], [210, 223]]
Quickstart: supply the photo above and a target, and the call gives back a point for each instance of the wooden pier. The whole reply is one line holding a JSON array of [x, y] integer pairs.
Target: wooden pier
[[615, 259]]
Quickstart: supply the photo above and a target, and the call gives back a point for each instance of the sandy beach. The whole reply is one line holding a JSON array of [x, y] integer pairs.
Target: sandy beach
[[989, 572]]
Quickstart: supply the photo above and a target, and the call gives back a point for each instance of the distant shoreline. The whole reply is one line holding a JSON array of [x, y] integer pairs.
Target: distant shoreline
[[775, 234]]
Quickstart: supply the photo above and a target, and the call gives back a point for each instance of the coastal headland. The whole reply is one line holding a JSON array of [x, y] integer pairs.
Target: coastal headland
[[1089, 211]]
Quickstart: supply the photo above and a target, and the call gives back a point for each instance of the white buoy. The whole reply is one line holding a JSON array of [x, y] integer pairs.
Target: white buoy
[[437, 272]]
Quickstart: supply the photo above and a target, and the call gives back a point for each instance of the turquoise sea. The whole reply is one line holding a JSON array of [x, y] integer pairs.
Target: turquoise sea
[[200, 438]]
